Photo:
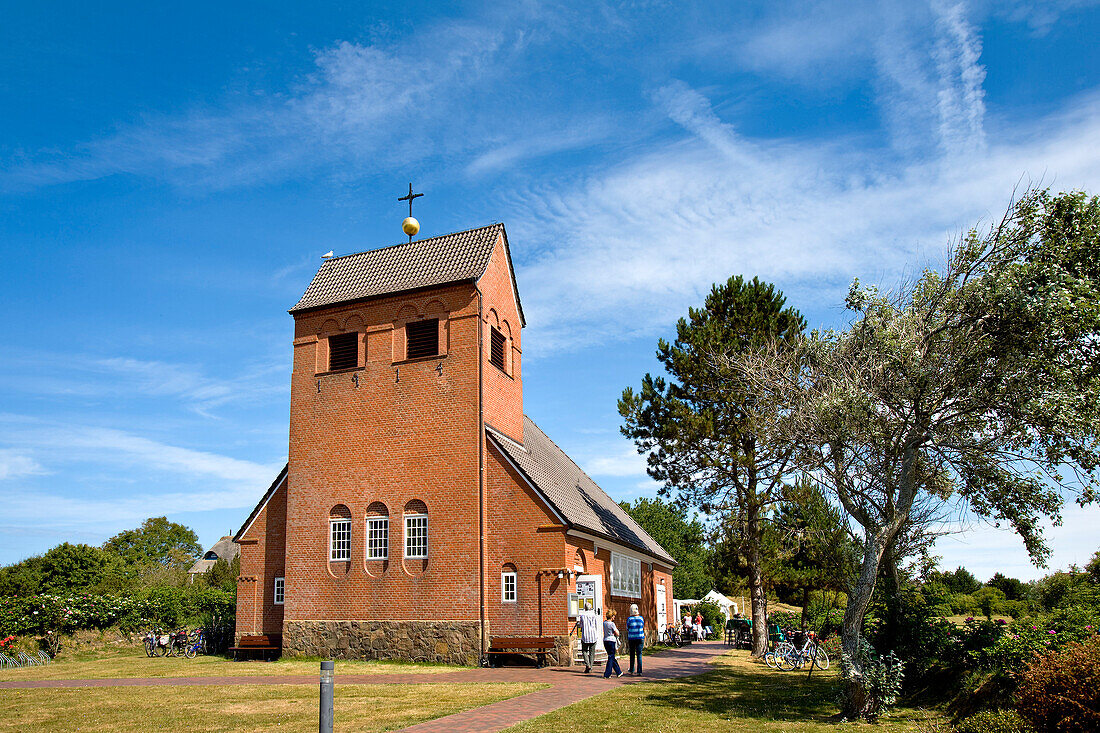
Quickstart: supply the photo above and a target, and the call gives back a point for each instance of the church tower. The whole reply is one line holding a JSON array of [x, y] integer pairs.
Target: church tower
[[421, 514]]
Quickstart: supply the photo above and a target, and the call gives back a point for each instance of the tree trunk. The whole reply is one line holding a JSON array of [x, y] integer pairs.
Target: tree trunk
[[856, 704], [756, 586]]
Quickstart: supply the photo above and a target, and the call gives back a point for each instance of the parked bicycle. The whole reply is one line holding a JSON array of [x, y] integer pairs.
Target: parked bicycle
[[196, 642], [793, 653], [671, 636], [157, 643]]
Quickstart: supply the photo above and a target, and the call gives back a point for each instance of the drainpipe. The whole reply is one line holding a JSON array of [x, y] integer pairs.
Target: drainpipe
[[480, 471]]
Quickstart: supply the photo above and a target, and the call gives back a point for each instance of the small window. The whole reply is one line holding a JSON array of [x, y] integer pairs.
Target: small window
[[280, 591], [416, 535], [497, 343], [343, 351], [508, 586], [378, 538], [422, 338], [340, 539]]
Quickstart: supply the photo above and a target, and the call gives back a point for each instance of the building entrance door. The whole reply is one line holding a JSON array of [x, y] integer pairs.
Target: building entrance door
[[662, 611], [590, 600]]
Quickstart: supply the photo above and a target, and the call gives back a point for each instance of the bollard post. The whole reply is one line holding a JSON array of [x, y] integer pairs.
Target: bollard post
[[328, 672]]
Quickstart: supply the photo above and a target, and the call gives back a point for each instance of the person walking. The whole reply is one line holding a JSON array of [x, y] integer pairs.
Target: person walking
[[610, 639], [589, 625], [635, 637]]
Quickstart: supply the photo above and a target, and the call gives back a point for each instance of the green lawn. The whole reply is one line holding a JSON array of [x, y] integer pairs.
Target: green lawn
[[741, 695], [240, 709], [134, 663]]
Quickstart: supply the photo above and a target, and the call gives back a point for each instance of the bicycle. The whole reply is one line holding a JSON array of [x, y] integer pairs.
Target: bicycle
[[671, 636], [177, 644], [196, 642]]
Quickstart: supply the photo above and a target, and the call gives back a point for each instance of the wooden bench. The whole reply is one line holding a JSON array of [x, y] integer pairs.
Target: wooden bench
[[539, 645], [262, 644]]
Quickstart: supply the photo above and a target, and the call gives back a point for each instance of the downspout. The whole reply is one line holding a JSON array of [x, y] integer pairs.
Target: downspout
[[480, 471]]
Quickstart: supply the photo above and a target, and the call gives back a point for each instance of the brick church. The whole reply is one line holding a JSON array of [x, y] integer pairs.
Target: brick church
[[421, 513]]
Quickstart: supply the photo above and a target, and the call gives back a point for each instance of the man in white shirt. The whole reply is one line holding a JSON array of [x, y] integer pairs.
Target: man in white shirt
[[589, 625]]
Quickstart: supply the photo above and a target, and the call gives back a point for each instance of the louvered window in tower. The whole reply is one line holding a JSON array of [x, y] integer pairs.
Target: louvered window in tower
[[343, 351], [422, 338], [497, 343]]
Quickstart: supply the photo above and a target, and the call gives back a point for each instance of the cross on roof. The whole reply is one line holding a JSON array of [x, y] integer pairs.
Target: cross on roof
[[410, 198]]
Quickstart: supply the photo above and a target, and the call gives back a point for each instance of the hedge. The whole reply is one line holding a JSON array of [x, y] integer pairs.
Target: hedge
[[165, 606]]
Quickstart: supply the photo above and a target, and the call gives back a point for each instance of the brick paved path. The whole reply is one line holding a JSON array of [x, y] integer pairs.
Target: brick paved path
[[567, 685]]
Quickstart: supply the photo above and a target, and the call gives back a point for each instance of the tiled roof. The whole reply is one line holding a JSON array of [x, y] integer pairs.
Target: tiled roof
[[575, 496], [279, 480], [408, 266]]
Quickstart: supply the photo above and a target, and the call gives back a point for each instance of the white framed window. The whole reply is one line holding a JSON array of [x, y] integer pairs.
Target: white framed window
[[339, 546], [378, 538], [416, 535], [508, 587], [280, 591], [626, 576]]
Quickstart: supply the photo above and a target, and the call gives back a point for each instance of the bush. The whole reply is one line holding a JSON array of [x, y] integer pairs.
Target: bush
[[155, 606], [712, 615], [911, 629], [872, 682], [1026, 637], [994, 721], [1058, 692]]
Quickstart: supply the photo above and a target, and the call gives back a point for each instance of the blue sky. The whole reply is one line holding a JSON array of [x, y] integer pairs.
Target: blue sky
[[171, 174]]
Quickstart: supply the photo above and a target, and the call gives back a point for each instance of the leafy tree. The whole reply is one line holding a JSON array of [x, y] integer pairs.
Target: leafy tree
[[1093, 567], [816, 548], [960, 580], [700, 430], [69, 567], [1013, 588], [22, 578], [683, 538], [156, 542], [223, 575], [979, 384]]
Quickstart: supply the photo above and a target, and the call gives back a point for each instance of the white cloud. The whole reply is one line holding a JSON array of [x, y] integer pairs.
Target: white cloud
[[385, 103], [111, 446], [624, 252], [623, 462], [961, 99], [16, 464], [96, 377], [984, 549]]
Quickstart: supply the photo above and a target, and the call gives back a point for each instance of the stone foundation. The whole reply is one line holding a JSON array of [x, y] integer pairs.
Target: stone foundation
[[448, 642]]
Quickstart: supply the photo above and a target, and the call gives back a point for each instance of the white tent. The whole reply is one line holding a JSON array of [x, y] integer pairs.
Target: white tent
[[680, 607], [728, 606]]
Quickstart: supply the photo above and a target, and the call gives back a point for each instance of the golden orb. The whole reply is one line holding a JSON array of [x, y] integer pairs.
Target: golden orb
[[410, 226]]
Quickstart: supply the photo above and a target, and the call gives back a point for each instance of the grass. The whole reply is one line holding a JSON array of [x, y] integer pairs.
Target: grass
[[741, 695], [134, 663], [961, 620], [240, 708]]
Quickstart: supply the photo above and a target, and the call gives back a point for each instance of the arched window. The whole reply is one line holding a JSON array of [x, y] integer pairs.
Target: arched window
[[339, 524], [416, 530], [378, 531], [508, 586]]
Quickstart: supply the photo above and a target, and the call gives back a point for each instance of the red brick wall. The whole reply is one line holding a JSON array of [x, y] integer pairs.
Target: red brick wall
[[406, 432], [263, 547], [515, 516], [600, 564], [503, 389]]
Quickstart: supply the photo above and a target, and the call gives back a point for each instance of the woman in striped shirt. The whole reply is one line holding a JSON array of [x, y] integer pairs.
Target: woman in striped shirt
[[635, 637]]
